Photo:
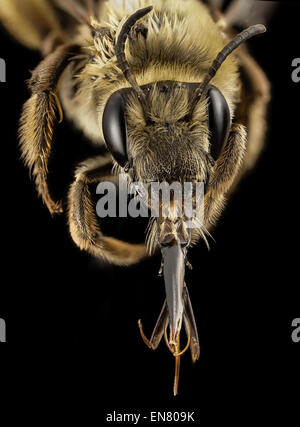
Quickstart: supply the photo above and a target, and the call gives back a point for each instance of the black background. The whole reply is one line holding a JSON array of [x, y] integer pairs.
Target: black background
[[72, 326]]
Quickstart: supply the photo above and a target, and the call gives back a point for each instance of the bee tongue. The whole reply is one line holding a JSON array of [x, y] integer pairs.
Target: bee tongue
[[174, 269]]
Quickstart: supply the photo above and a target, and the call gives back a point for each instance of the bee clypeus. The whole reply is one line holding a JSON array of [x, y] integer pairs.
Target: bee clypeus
[[171, 90]]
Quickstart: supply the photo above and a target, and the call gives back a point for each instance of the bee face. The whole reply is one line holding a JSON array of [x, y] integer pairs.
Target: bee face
[[172, 154], [172, 142], [171, 145]]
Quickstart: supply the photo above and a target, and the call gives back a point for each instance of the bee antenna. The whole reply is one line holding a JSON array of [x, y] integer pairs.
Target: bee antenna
[[120, 49], [226, 51]]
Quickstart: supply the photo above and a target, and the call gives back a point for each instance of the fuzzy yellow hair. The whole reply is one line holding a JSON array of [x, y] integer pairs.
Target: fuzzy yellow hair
[[182, 42]]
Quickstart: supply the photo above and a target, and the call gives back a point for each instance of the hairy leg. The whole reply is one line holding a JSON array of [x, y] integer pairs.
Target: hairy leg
[[228, 164], [253, 112], [83, 223], [39, 117], [224, 173]]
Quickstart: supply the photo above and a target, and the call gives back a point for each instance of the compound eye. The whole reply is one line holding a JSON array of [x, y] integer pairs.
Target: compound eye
[[219, 121], [115, 129]]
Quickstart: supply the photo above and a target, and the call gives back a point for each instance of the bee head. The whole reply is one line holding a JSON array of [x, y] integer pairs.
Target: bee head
[[168, 130]]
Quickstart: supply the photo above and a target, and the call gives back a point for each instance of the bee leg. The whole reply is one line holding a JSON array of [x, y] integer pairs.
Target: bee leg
[[36, 131], [224, 174], [38, 119], [254, 106], [229, 163], [83, 223]]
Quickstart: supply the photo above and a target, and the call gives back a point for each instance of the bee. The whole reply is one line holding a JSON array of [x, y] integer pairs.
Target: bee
[[172, 92]]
